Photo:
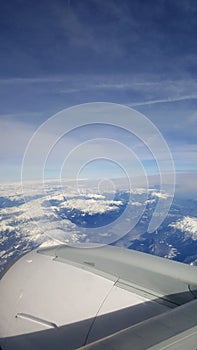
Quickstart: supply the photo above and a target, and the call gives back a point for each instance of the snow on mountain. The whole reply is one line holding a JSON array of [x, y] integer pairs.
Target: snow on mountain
[[159, 194], [50, 214], [137, 204], [188, 225], [92, 206], [172, 253], [95, 196]]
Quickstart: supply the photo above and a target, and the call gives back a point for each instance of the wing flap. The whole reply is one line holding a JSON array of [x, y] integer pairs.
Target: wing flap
[[175, 329]]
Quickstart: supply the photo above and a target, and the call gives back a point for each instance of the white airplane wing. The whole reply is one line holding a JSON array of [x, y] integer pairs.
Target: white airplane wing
[[97, 298]]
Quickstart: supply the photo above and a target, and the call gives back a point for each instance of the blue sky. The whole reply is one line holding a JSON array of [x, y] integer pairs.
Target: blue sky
[[56, 54]]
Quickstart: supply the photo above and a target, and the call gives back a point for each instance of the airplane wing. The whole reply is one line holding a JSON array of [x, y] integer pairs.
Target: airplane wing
[[97, 298]]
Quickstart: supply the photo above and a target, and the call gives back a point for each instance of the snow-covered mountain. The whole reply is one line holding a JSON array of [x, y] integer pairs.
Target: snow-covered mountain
[[188, 225], [53, 214]]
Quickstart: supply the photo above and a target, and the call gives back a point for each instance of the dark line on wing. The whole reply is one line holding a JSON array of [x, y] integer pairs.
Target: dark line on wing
[[94, 319]]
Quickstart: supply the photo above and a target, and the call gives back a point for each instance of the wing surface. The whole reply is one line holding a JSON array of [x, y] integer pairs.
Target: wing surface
[[97, 298]]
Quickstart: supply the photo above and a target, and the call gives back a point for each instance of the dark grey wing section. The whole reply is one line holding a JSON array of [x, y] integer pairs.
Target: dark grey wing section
[[174, 330]]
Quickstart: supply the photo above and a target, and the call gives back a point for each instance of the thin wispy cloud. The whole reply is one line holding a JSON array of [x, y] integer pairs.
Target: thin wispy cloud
[[27, 81], [168, 100]]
